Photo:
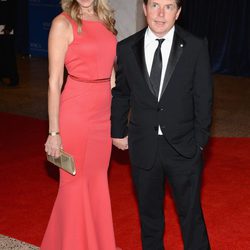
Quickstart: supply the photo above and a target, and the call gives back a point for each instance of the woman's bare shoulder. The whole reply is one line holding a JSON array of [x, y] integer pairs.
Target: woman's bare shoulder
[[60, 22]]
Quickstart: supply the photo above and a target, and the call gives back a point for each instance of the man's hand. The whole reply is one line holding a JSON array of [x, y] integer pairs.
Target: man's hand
[[121, 143]]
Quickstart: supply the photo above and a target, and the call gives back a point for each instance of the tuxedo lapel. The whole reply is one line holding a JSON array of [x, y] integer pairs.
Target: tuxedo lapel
[[175, 53], [138, 49]]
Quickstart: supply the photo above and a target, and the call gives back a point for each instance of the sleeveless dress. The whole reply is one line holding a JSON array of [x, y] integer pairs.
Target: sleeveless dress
[[81, 218]]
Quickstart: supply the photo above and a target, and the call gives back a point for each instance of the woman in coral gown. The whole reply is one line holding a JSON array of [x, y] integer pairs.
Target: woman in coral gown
[[83, 39]]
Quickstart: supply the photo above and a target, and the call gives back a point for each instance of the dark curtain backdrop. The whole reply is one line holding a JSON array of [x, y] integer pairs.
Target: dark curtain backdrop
[[22, 24], [226, 24]]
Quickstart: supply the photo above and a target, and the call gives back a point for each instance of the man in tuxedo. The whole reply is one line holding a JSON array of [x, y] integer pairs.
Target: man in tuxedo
[[163, 82]]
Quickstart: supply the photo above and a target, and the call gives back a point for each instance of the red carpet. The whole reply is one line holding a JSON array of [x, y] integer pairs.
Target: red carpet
[[28, 186]]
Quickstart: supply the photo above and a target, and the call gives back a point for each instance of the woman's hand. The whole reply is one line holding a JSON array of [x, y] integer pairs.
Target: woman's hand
[[53, 145]]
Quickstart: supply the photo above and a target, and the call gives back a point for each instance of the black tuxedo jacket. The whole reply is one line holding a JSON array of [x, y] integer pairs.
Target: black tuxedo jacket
[[184, 109]]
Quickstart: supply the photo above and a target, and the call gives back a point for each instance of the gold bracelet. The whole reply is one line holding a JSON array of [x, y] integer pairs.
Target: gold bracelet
[[54, 133]]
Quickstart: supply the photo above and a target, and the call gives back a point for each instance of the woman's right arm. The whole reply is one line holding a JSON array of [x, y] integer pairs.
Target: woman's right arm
[[59, 38]]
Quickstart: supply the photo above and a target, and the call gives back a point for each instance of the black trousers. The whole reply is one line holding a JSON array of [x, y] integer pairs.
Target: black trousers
[[8, 65], [184, 177]]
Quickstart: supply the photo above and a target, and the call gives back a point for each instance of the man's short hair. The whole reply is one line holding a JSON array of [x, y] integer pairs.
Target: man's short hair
[[178, 2]]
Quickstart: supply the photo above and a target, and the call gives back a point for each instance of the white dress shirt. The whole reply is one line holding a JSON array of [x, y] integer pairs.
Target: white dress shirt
[[150, 45]]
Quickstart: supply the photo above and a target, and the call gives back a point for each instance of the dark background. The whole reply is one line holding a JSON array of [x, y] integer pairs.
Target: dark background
[[225, 23]]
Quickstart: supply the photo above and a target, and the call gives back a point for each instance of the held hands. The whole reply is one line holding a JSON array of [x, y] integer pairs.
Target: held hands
[[53, 145], [121, 143]]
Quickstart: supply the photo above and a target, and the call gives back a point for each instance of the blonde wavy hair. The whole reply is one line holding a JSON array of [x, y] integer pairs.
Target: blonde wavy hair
[[101, 9]]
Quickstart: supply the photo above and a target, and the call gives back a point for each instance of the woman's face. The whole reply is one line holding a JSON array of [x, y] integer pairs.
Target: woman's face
[[86, 3]]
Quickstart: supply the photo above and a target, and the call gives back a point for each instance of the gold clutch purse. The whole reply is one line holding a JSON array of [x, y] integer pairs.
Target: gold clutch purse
[[65, 161]]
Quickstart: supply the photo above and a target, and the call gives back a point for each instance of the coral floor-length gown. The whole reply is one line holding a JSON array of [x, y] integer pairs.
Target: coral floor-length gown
[[81, 218]]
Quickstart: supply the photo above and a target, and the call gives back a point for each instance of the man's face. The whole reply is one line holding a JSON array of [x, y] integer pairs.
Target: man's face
[[161, 15]]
